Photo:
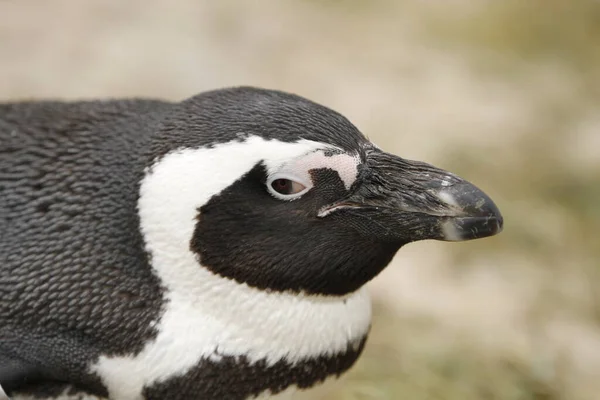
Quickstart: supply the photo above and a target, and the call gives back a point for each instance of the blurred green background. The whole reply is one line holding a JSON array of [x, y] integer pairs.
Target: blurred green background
[[504, 93]]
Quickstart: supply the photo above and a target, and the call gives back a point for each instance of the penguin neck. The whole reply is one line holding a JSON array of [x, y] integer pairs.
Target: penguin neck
[[207, 318], [239, 319], [242, 320], [211, 314]]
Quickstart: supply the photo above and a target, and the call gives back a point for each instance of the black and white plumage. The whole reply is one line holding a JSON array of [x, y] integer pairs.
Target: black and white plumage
[[215, 248]]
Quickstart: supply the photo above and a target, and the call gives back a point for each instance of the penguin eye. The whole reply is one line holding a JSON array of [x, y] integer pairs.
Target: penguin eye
[[286, 187]]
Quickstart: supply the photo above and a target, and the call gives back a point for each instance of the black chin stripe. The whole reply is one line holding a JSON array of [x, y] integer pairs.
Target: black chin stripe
[[236, 378]]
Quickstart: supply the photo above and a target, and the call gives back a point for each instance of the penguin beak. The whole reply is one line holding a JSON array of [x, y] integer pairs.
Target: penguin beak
[[404, 201]]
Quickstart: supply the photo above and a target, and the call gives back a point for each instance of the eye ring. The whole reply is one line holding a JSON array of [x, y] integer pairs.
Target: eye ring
[[285, 187]]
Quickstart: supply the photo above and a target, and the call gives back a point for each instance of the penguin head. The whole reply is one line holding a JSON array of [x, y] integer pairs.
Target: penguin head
[[277, 192]]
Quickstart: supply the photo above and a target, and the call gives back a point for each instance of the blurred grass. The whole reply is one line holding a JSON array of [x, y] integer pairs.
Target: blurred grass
[[429, 363], [549, 31]]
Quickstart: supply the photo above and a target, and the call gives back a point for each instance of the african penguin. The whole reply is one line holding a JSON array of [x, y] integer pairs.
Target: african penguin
[[215, 248]]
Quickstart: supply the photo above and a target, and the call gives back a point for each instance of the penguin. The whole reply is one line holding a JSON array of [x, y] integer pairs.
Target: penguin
[[214, 248]]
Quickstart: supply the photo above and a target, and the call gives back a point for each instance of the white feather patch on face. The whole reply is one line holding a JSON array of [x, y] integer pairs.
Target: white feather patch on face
[[345, 165], [205, 315]]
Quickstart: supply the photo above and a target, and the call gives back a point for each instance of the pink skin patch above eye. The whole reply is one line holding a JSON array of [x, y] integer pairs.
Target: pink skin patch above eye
[[344, 164]]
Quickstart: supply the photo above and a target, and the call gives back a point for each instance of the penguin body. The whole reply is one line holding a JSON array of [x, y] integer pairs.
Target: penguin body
[[66, 172], [215, 248]]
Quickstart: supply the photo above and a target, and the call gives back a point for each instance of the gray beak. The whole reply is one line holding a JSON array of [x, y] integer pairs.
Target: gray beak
[[404, 201], [476, 216]]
